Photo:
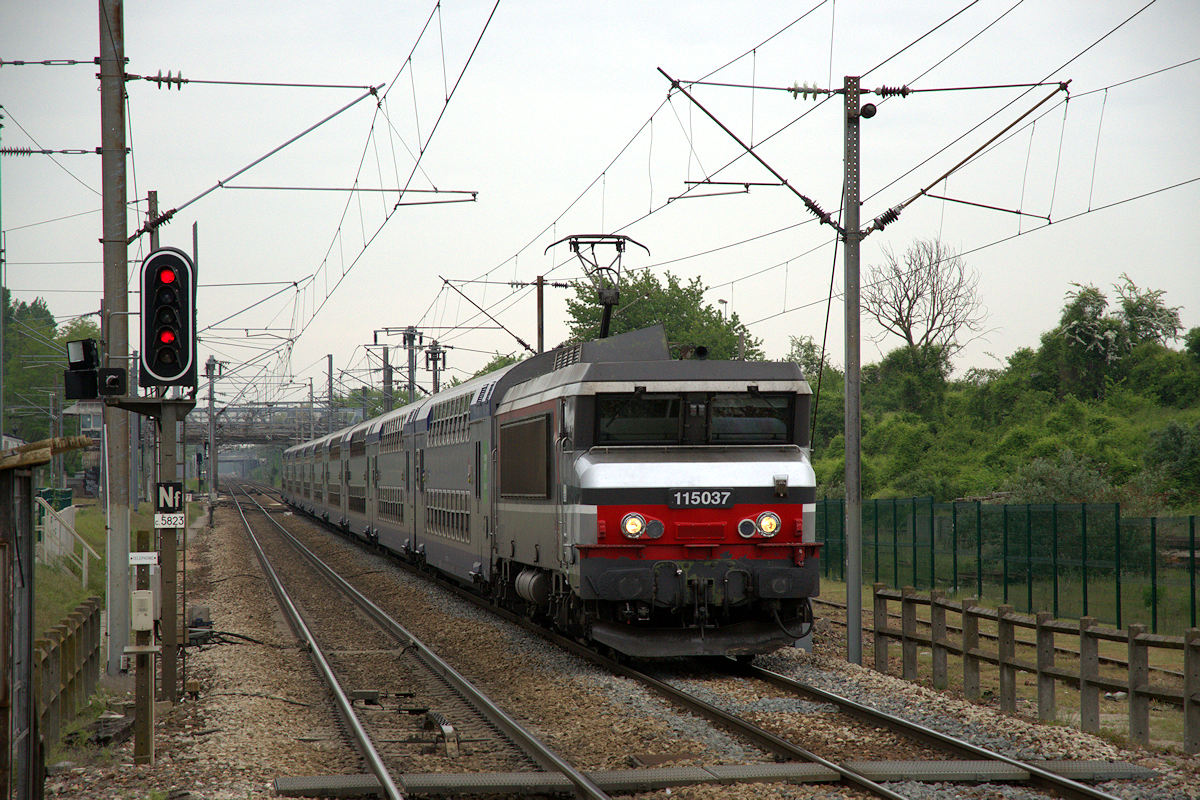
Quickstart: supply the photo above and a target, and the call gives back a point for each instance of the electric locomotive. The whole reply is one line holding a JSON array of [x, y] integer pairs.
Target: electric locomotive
[[658, 507]]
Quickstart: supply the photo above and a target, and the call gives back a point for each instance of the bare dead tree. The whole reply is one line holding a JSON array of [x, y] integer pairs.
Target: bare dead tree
[[927, 298]]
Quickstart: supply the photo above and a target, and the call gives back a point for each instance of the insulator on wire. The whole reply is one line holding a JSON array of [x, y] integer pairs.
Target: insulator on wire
[[169, 80], [887, 218], [893, 91], [804, 91]]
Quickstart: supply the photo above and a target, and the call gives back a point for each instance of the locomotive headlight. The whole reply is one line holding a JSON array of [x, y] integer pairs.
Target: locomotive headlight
[[747, 528], [768, 523], [633, 526]]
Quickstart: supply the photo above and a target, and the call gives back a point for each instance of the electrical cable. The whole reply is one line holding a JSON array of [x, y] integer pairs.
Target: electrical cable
[[1011, 237]]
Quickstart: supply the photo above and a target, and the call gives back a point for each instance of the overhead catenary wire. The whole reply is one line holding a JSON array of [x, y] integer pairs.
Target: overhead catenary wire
[[1057, 223]]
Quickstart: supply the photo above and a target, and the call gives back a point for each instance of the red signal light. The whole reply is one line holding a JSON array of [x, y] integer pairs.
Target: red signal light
[[166, 337], [167, 275]]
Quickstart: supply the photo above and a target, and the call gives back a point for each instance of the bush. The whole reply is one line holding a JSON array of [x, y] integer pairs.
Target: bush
[[1175, 450], [1066, 478]]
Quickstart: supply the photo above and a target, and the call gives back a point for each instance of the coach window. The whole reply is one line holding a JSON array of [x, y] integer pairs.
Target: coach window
[[525, 458]]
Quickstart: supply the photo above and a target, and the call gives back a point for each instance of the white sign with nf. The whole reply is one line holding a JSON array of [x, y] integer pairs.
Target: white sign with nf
[[137, 559], [170, 520]]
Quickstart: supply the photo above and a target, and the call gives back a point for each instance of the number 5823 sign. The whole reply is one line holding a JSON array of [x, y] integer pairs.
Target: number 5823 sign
[[168, 505]]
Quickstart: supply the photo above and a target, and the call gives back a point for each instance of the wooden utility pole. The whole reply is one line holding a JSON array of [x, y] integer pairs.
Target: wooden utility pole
[[114, 319]]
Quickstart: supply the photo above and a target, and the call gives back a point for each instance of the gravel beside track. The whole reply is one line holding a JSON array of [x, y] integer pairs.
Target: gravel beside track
[[261, 713]]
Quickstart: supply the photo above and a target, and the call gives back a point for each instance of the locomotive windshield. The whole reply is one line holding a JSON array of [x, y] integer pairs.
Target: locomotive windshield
[[734, 418]]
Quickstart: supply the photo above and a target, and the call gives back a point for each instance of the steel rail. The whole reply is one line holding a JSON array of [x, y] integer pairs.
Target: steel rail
[[361, 739], [533, 746], [731, 722], [1041, 777], [741, 727]]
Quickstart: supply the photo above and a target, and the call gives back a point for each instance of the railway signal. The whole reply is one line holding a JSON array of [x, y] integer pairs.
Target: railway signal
[[168, 346]]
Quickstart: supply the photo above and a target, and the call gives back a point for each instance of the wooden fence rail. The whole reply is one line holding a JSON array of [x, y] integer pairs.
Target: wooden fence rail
[[66, 668], [1085, 675]]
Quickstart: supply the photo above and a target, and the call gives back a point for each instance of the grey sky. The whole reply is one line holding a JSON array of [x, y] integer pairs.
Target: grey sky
[[555, 91]]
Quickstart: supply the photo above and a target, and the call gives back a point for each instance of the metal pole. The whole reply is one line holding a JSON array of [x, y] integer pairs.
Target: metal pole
[[2, 286], [116, 325], [410, 341], [311, 433], [853, 384], [329, 389], [144, 675], [433, 362], [167, 471], [388, 400], [541, 309], [210, 372]]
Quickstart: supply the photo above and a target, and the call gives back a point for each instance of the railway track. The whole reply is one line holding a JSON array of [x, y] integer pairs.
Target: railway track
[[421, 679], [944, 757], [939, 758]]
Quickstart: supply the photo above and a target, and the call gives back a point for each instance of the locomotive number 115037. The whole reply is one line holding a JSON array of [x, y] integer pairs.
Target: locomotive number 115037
[[700, 498]]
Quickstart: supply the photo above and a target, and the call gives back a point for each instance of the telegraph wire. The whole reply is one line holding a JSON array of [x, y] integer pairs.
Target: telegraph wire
[[1000, 110], [412, 174], [1011, 237]]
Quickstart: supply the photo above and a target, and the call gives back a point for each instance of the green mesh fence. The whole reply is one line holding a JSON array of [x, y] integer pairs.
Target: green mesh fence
[[1074, 560]]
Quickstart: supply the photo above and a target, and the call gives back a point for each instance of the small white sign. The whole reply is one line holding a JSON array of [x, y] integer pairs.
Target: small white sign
[[137, 559], [170, 520]]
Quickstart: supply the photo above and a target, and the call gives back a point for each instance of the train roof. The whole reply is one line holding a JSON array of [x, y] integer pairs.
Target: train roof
[[640, 356]]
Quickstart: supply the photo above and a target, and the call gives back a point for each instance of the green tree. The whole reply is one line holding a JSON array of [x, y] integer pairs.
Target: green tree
[[828, 386], [33, 365], [1191, 343], [1089, 349], [498, 361], [908, 379], [680, 307], [1176, 449]]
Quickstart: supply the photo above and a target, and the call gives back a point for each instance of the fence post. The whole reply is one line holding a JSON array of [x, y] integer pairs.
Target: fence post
[[1154, 574], [1083, 554], [1004, 552], [1117, 561], [52, 686], [1007, 640], [91, 666], [970, 644], [66, 700], [1054, 553], [895, 545], [1139, 675], [937, 638], [978, 549], [880, 622], [1191, 691], [954, 543], [908, 630], [912, 529], [1192, 566], [1045, 662], [932, 547], [875, 535], [1089, 670]]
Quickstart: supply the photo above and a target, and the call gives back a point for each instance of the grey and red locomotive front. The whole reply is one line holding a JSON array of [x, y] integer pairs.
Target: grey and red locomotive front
[[658, 507]]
